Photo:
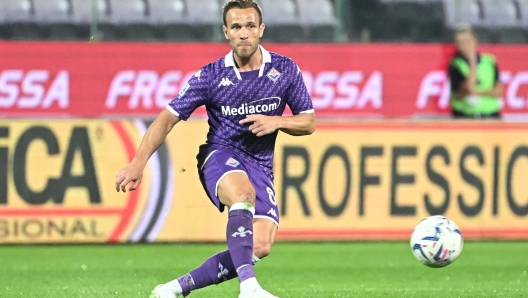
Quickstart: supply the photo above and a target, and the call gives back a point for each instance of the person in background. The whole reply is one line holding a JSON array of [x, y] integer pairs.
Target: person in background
[[474, 78]]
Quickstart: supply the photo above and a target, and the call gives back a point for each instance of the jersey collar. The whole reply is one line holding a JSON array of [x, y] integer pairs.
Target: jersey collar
[[229, 61]]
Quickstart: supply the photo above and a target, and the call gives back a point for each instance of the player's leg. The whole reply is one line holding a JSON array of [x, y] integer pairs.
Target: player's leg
[[226, 183], [219, 267], [264, 231], [237, 193], [264, 237], [237, 189]]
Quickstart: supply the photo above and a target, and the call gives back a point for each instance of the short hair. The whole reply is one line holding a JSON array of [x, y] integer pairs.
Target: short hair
[[465, 28], [241, 4]]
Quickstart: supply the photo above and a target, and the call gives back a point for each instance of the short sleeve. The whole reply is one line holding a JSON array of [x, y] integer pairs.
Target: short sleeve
[[194, 94], [497, 73], [297, 96]]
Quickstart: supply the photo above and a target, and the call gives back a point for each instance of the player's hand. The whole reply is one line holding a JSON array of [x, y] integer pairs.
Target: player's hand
[[469, 51], [133, 172], [262, 125]]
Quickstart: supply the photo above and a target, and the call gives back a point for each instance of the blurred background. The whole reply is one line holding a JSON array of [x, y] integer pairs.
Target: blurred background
[[288, 20], [81, 81]]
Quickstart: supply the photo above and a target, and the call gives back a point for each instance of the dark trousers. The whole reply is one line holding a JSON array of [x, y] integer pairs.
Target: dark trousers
[[459, 115]]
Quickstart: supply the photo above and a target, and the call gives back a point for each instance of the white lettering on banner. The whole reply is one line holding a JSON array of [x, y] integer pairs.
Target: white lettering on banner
[[331, 89], [145, 86], [145, 89], [435, 87], [513, 99], [28, 90], [434, 84]]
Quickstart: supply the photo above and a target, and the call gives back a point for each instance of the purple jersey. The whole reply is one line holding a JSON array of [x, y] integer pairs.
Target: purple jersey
[[228, 99]]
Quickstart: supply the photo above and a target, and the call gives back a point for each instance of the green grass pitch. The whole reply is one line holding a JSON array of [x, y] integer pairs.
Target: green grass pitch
[[294, 270]]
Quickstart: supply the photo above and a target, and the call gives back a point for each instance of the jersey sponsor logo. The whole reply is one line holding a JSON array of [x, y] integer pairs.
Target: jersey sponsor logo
[[242, 232], [258, 106], [232, 162], [225, 82], [274, 75]]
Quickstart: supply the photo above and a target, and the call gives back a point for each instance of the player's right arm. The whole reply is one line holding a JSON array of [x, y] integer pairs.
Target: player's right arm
[[190, 97], [153, 138]]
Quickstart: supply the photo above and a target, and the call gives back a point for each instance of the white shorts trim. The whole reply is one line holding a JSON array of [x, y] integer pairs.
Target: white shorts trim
[[308, 112], [268, 218], [229, 172], [207, 158]]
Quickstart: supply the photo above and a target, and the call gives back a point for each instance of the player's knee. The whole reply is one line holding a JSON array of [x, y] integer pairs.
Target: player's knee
[[248, 196], [262, 250]]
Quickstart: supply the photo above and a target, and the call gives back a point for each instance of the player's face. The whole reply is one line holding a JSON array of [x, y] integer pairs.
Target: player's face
[[466, 42], [243, 31]]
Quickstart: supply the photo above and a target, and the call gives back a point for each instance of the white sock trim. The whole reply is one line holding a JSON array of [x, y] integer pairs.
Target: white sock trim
[[242, 267], [255, 259], [243, 206]]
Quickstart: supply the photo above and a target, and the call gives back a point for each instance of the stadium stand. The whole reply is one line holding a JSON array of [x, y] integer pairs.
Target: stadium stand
[[18, 17], [469, 11], [129, 20], [506, 18], [522, 7], [83, 17], [55, 17], [283, 21], [318, 18], [415, 20], [205, 18], [504, 21], [494, 21], [170, 17]]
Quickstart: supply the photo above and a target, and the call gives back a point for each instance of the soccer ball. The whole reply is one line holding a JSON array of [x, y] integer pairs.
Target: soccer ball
[[436, 241]]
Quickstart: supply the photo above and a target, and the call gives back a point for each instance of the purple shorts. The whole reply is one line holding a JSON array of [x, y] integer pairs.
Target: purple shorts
[[221, 162]]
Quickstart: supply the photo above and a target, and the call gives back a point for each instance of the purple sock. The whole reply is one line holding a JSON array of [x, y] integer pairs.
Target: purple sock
[[214, 270], [221, 266], [240, 241]]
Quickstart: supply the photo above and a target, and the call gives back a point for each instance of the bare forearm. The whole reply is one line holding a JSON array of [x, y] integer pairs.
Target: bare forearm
[[155, 136], [298, 125], [496, 91], [472, 77]]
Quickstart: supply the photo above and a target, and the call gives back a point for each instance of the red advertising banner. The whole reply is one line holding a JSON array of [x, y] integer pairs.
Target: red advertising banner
[[76, 79]]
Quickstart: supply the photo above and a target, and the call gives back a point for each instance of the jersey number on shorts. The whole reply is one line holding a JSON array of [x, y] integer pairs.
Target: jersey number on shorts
[[271, 196]]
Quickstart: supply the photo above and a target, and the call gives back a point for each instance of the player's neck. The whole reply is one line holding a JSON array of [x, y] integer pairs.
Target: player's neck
[[252, 63]]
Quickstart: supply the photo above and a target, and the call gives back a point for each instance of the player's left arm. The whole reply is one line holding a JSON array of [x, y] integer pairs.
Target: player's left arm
[[297, 125], [298, 99]]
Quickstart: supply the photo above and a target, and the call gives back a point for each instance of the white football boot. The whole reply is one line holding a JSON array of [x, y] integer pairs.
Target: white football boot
[[257, 293], [160, 292]]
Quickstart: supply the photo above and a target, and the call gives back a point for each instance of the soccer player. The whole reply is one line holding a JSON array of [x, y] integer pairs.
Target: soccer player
[[245, 94]]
